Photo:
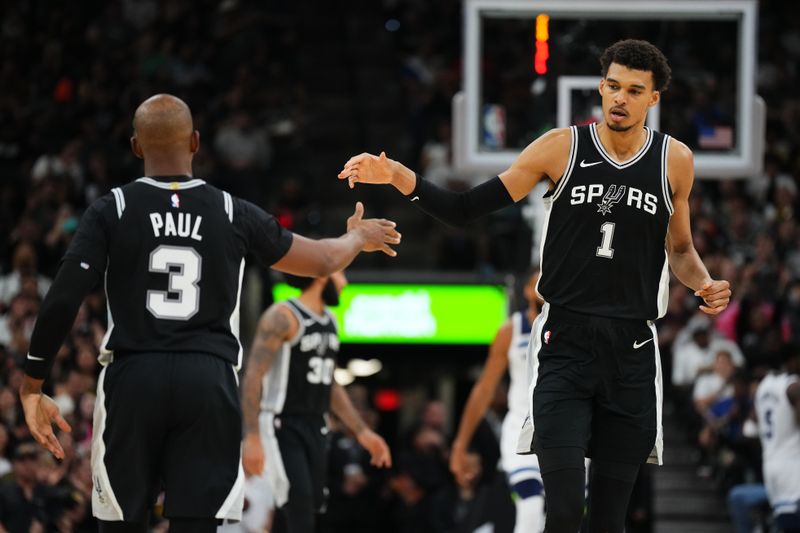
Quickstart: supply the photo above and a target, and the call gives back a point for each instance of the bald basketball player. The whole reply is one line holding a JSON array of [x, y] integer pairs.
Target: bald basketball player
[[170, 249]]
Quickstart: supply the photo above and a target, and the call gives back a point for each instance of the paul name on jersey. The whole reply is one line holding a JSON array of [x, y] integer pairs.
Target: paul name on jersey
[[184, 226], [581, 194]]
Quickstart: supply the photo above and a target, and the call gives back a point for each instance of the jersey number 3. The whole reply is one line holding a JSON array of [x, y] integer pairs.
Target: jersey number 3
[[181, 300]]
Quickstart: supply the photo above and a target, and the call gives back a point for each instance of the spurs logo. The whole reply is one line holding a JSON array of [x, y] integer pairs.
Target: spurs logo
[[612, 196]]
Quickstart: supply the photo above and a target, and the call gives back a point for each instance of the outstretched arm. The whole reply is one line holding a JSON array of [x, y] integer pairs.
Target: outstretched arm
[[481, 396], [275, 327], [545, 157], [316, 258], [683, 258], [343, 408]]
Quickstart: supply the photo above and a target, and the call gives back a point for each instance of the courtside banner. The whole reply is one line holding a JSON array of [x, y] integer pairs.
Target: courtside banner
[[416, 314]]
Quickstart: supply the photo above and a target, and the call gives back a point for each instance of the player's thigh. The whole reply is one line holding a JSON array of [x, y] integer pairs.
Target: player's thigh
[[129, 426], [562, 396], [202, 472], [625, 419]]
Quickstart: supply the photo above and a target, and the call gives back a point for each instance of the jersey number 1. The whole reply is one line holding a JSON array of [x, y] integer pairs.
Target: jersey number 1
[[181, 300], [605, 250]]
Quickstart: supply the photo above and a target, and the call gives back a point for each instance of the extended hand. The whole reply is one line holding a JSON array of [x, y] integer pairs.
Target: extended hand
[[378, 232], [380, 455], [367, 168], [252, 455], [716, 294], [458, 461], [40, 414]]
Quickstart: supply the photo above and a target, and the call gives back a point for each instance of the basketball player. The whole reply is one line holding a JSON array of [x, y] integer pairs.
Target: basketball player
[[170, 249], [617, 214], [287, 392], [778, 411], [508, 351]]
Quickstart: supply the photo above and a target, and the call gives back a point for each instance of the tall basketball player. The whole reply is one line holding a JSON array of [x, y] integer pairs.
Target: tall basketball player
[[778, 409], [170, 250], [617, 216], [509, 350], [287, 392]]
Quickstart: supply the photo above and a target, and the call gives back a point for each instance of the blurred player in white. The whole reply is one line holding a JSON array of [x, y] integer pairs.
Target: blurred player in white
[[778, 409], [509, 350]]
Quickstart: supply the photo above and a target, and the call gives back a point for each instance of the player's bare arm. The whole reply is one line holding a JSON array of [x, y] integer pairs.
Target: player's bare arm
[[343, 408], [317, 258], [683, 258], [275, 327], [481, 396], [546, 157]]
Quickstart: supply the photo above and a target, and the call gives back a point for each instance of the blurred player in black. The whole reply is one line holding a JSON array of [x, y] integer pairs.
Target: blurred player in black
[[617, 220], [170, 250], [287, 392]]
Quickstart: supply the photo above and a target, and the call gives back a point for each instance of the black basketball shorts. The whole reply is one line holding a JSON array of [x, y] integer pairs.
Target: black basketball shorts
[[171, 422], [296, 450], [597, 387]]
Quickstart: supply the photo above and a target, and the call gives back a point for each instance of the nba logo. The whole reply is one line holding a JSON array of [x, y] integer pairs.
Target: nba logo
[[176, 201], [547, 335]]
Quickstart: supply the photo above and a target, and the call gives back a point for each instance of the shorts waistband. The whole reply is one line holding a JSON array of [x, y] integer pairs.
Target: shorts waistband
[[562, 314]]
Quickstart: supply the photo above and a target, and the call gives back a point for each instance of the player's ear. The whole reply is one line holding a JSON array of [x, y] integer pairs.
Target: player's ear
[[194, 142], [135, 148], [601, 85], [654, 98]]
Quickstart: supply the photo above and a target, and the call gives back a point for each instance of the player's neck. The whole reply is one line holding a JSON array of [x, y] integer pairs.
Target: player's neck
[[313, 302], [168, 167], [621, 144]]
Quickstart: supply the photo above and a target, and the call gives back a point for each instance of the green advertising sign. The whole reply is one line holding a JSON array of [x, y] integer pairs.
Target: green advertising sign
[[420, 314]]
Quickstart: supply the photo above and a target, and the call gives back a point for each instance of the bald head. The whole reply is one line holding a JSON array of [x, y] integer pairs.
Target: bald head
[[163, 123]]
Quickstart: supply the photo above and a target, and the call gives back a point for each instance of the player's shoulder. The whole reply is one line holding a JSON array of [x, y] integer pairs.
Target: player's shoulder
[[279, 316], [679, 152]]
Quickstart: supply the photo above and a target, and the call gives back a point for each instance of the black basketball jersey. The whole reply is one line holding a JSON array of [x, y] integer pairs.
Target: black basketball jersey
[[299, 382], [173, 253], [603, 244]]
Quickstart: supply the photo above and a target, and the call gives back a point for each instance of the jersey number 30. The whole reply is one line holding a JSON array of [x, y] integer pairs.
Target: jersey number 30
[[181, 300]]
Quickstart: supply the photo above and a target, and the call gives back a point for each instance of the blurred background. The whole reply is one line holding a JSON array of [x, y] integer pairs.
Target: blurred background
[[283, 93]]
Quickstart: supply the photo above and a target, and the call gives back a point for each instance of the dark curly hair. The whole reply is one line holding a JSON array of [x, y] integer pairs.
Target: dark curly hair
[[638, 55]]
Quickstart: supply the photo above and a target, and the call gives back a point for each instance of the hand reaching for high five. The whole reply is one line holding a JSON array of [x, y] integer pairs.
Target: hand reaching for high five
[[368, 168], [378, 233]]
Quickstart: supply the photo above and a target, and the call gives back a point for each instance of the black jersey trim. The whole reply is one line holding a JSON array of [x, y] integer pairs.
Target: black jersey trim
[[573, 153], [172, 185], [119, 199], [625, 164], [665, 188]]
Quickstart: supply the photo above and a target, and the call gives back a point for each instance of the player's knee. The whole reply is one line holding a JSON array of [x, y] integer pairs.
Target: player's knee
[[527, 488]]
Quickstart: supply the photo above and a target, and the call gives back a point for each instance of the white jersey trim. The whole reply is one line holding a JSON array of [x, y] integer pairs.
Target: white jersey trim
[[106, 356], [119, 199], [234, 320], [274, 467], [657, 454], [628, 162], [525, 440], [231, 508], [227, 204], [172, 185], [104, 502], [548, 208], [573, 153], [662, 300], [664, 175]]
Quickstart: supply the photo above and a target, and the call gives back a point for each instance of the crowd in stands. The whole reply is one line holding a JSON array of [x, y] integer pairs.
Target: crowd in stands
[[72, 74]]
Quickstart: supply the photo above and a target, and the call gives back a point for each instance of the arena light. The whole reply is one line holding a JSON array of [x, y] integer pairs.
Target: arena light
[[542, 48], [343, 376], [363, 368]]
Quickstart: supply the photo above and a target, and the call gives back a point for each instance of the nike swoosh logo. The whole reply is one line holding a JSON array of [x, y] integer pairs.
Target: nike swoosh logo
[[584, 164], [637, 345], [415, 199], [33, 358]]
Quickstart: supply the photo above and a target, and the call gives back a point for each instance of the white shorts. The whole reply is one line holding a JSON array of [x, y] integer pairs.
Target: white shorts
[[517, 467]]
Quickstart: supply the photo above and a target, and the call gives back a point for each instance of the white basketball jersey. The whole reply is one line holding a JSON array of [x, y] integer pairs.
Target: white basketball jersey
[[518, 364], [780, 441]]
